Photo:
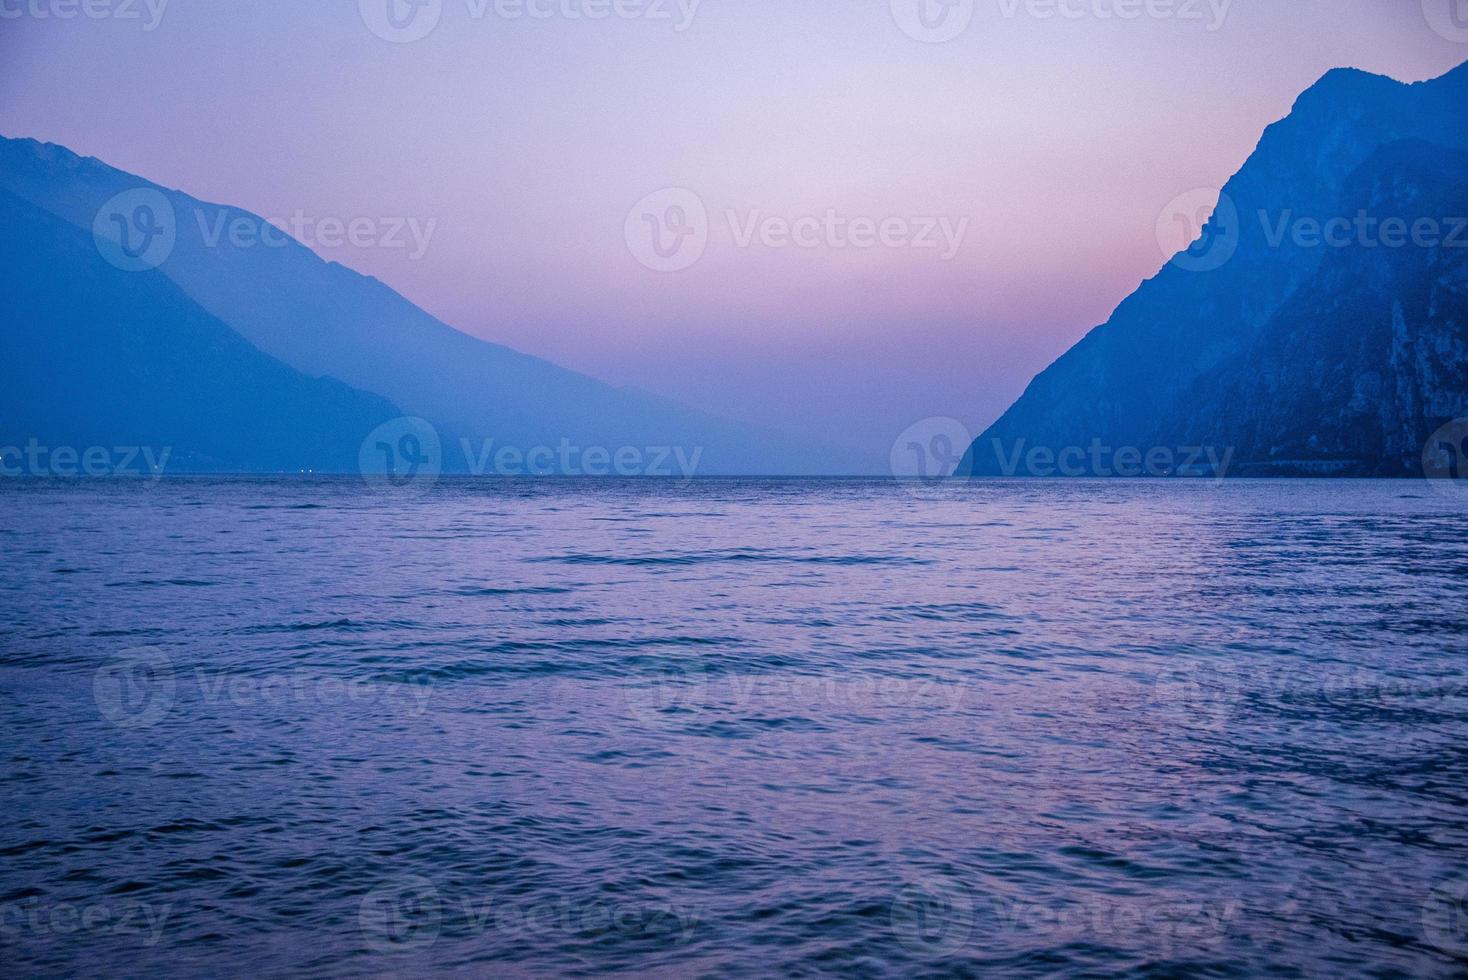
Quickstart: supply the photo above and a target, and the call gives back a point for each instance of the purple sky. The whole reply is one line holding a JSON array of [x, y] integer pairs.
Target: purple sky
[[1059, 138]]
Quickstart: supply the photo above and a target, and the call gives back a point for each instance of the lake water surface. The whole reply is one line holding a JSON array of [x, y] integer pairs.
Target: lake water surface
[[733, 728]]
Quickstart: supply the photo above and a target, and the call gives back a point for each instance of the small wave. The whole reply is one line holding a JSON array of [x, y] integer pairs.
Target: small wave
[[722, 557], [527, 590]]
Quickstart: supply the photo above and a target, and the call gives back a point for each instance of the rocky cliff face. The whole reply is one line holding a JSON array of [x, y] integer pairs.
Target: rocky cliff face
[[1290, 337], [1370, 355]]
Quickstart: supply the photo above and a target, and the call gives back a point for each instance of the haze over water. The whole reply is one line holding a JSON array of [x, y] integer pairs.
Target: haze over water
[[732, 727]]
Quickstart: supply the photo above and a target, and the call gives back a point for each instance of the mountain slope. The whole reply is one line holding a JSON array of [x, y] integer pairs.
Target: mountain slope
[[1132, 380], [324, 319], [1391, 365], [96, 356]]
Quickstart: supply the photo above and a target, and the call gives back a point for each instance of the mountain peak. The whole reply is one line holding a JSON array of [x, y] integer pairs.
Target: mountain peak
[[1345, 85], [1180, 355], [40, 148], [53, 158], [1347, 75]]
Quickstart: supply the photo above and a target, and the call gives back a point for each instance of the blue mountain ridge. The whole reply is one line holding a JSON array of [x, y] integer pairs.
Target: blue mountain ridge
[[327, 321], [1197, 355], [100, 358]]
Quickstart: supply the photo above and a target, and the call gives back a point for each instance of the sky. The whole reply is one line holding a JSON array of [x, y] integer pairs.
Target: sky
[[833, 217]]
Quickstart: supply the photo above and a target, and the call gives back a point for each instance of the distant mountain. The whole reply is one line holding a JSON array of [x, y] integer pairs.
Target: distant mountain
[[126, 365], [325, 320], [1264, 343]]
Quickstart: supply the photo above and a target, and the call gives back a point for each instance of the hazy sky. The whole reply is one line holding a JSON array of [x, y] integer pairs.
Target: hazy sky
[[1046, 136]]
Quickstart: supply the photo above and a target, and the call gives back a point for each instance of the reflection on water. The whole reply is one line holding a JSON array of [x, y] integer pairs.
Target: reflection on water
[[733, 727]]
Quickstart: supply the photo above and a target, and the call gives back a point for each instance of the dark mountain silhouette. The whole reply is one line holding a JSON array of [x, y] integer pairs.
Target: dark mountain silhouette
[[1295, 355], [100, 357], [1369, 356]]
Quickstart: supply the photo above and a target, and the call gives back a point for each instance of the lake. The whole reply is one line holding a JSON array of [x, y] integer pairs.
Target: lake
[[733, 727]]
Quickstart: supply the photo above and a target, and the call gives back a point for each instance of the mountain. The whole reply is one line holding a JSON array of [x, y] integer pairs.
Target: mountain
[[128, 365], [1369, 356], [325, 320], [1264, 344]]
